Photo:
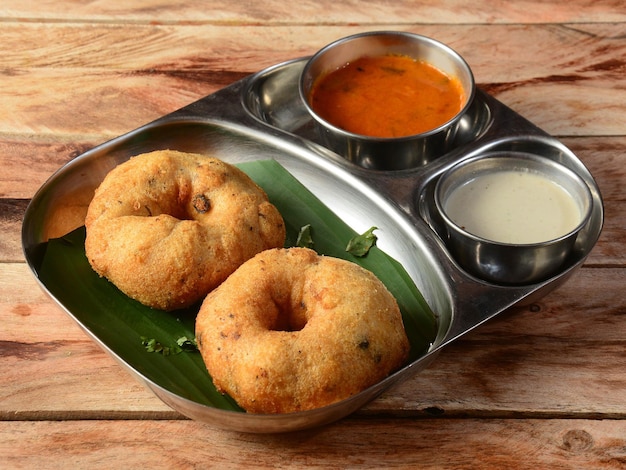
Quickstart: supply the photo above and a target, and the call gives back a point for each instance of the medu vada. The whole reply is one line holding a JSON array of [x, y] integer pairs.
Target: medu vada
[[291, 330], [167, 227]]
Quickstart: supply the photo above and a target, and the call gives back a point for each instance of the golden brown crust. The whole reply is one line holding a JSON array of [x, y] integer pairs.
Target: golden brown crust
[[167, 227], [291, 330]]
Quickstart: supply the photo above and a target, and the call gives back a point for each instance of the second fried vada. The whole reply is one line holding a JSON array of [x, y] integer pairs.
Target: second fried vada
[[167, 227], [291, 330]]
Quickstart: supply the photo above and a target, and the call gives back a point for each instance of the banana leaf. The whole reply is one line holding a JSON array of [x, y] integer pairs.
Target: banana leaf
[[123, 324]]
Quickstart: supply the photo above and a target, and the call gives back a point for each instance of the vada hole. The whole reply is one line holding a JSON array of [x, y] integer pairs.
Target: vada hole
[[178, 214], [289, 319], [199, 204]]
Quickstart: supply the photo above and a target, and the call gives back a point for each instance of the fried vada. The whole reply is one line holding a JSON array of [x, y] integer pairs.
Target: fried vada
[[167, 227], [291, 330]]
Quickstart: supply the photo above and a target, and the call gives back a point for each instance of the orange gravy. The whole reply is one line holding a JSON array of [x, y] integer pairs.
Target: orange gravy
[[387, 96]]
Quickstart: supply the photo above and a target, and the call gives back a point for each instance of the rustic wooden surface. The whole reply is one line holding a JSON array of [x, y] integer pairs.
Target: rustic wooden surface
[[543, 386]]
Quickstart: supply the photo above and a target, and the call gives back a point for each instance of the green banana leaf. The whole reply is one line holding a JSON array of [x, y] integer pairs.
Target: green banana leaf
[[123, 324]]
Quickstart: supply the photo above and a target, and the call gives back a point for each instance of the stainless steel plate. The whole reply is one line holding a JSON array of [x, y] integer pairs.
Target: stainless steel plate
[[261, 117]]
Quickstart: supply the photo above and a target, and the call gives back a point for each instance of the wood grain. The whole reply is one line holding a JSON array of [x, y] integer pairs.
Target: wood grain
[[151, 70], [425, 444], [319, 12]]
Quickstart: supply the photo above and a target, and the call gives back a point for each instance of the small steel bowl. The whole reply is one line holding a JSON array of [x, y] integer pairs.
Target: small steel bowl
[[387, 153], [511, 263]]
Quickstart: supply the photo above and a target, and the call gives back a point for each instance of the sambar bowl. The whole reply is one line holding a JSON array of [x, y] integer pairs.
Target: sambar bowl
[[388, 152], [512, 218]]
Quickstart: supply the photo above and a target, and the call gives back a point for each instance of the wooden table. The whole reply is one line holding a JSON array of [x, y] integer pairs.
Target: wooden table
[[542, 386]]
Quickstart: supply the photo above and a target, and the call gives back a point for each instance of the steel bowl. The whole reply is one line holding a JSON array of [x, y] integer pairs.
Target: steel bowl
[[501, 262], [387, 153]]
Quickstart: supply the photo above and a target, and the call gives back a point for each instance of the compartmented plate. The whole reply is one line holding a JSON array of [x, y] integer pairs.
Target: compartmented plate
[[261, 118]]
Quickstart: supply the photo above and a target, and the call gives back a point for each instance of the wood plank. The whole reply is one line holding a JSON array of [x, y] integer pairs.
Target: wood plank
[[402, 443], [78, 77], [28, 162], [318, 11], [605, 159], [562, 356], [11, 214]]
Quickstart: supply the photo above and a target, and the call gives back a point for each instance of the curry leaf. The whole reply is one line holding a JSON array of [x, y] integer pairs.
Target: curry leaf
[[304, 239], [361, 244]]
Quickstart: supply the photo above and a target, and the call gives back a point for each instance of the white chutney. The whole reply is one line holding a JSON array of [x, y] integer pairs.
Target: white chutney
[[513, 206]]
